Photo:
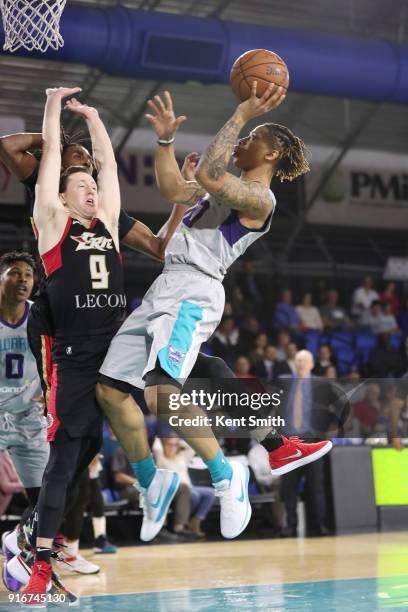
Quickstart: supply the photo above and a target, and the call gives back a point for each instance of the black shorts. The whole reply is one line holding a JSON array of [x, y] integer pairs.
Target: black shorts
[[72, 402], [40, 333]]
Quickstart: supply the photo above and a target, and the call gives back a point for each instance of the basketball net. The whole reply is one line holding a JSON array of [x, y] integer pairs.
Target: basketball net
[[32, 24]]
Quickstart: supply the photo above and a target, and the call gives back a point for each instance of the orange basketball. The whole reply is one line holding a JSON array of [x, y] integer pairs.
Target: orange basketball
[[259, 65]]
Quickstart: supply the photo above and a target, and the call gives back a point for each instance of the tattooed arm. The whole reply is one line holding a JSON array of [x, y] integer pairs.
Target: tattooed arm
[[249, 197]]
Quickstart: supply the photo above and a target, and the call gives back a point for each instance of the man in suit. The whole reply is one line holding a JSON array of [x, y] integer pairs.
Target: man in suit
[[313, 408], [266, 367]]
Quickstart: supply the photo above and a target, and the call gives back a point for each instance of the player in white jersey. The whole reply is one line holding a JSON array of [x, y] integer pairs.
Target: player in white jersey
[[157, 345], [23, 428]]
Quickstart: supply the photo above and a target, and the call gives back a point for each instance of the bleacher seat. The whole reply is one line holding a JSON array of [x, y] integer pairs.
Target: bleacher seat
[[364, 343], [396, 340]]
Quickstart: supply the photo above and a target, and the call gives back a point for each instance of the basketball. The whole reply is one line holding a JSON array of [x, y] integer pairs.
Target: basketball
[[259, 65]]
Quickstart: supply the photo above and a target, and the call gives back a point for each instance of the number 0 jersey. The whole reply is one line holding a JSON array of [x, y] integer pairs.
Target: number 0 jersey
[[19, 381], [84, 281]]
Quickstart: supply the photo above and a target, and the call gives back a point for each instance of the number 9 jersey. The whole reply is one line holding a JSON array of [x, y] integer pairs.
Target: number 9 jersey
[[19, 381], [84, 280]]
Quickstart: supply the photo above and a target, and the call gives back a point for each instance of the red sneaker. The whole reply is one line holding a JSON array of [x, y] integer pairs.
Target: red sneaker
[[295, 453], [34, 594]]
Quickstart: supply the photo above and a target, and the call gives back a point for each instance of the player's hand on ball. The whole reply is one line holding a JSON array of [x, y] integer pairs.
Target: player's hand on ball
[[62, 92], [163, 120], [254, 106], [397, 444], [189, 166], [85, 111]]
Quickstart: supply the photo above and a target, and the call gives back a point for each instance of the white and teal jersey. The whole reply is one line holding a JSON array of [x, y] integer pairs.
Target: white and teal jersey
[[19, 380], [211, 237]]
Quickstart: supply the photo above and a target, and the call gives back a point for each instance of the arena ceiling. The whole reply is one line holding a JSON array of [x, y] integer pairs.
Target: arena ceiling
[[318, 120]]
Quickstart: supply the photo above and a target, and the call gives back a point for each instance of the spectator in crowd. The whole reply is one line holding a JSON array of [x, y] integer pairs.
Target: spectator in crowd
[[384, 361], [403, 318], [267, 367], [282, 343], [240, 306], [381, 320], [309, 408], [288, 367], [123, 478], [333, 315], [228, 311], [286, 316], [266, 482], [191, 503], [390, 296], [362, 299], [309, 315], [367, 410], [249, 284], [225, 340], [249, 334], [324, 360], [258, 351], [242, 367]]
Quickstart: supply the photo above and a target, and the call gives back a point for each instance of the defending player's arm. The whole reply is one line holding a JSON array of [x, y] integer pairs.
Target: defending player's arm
[[104, 156], [173, 187], [249, 197], [47, 202], [15, 153]]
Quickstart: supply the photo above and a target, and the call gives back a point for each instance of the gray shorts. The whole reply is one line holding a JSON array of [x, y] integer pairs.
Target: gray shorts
[[179, 312], [24, 435]]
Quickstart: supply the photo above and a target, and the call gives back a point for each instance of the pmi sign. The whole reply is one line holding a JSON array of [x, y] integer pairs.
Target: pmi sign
[[367, 190]]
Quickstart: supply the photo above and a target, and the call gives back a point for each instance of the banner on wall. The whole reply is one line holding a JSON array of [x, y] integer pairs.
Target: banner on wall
[[11, 190], [368, 189]]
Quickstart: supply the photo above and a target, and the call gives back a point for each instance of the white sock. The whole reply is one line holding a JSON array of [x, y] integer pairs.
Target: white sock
[[99, 526], [72, 548]]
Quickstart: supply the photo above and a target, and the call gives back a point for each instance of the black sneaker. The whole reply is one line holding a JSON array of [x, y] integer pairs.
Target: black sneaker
[[103, 546]]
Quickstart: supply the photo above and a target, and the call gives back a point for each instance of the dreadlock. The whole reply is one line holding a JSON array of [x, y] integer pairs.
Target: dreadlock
[[293, 155], [68, 140]]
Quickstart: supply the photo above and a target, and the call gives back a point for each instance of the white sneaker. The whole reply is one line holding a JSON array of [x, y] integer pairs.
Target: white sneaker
[[76, 564], [235, 507], [19, 567], [156, 501]]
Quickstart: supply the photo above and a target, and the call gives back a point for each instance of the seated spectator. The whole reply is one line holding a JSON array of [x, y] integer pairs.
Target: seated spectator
[[282, 343], [258, 351], [403, 318], [249, 334], [333, 315], [286, 316], [228, 312], [241, 307], [191, 503], [258, 461], [363, 297], [225, 340], [242, 368], [384, 361], [390, 296], [309, 315], [381, 322], [123, 478], [287, 367], [267, 367], [367, 410], [324, 360]]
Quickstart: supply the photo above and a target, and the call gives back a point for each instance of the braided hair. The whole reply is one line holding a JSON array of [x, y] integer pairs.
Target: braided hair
[[293, 155]]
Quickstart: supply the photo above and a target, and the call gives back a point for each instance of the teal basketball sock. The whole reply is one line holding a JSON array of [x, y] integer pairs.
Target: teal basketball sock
[[219, 468], [144, 471]]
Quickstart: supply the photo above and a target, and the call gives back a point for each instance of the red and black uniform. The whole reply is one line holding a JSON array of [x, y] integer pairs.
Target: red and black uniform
[[40, 325], [84, 285]]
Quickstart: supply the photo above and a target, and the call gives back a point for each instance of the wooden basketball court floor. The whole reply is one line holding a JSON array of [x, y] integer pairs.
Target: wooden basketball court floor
[[354, 573]]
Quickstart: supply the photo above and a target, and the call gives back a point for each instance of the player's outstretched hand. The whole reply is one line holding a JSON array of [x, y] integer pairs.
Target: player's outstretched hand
[[85, 111], [254, 106], [62, 92], [189, 166], [163, 120]]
